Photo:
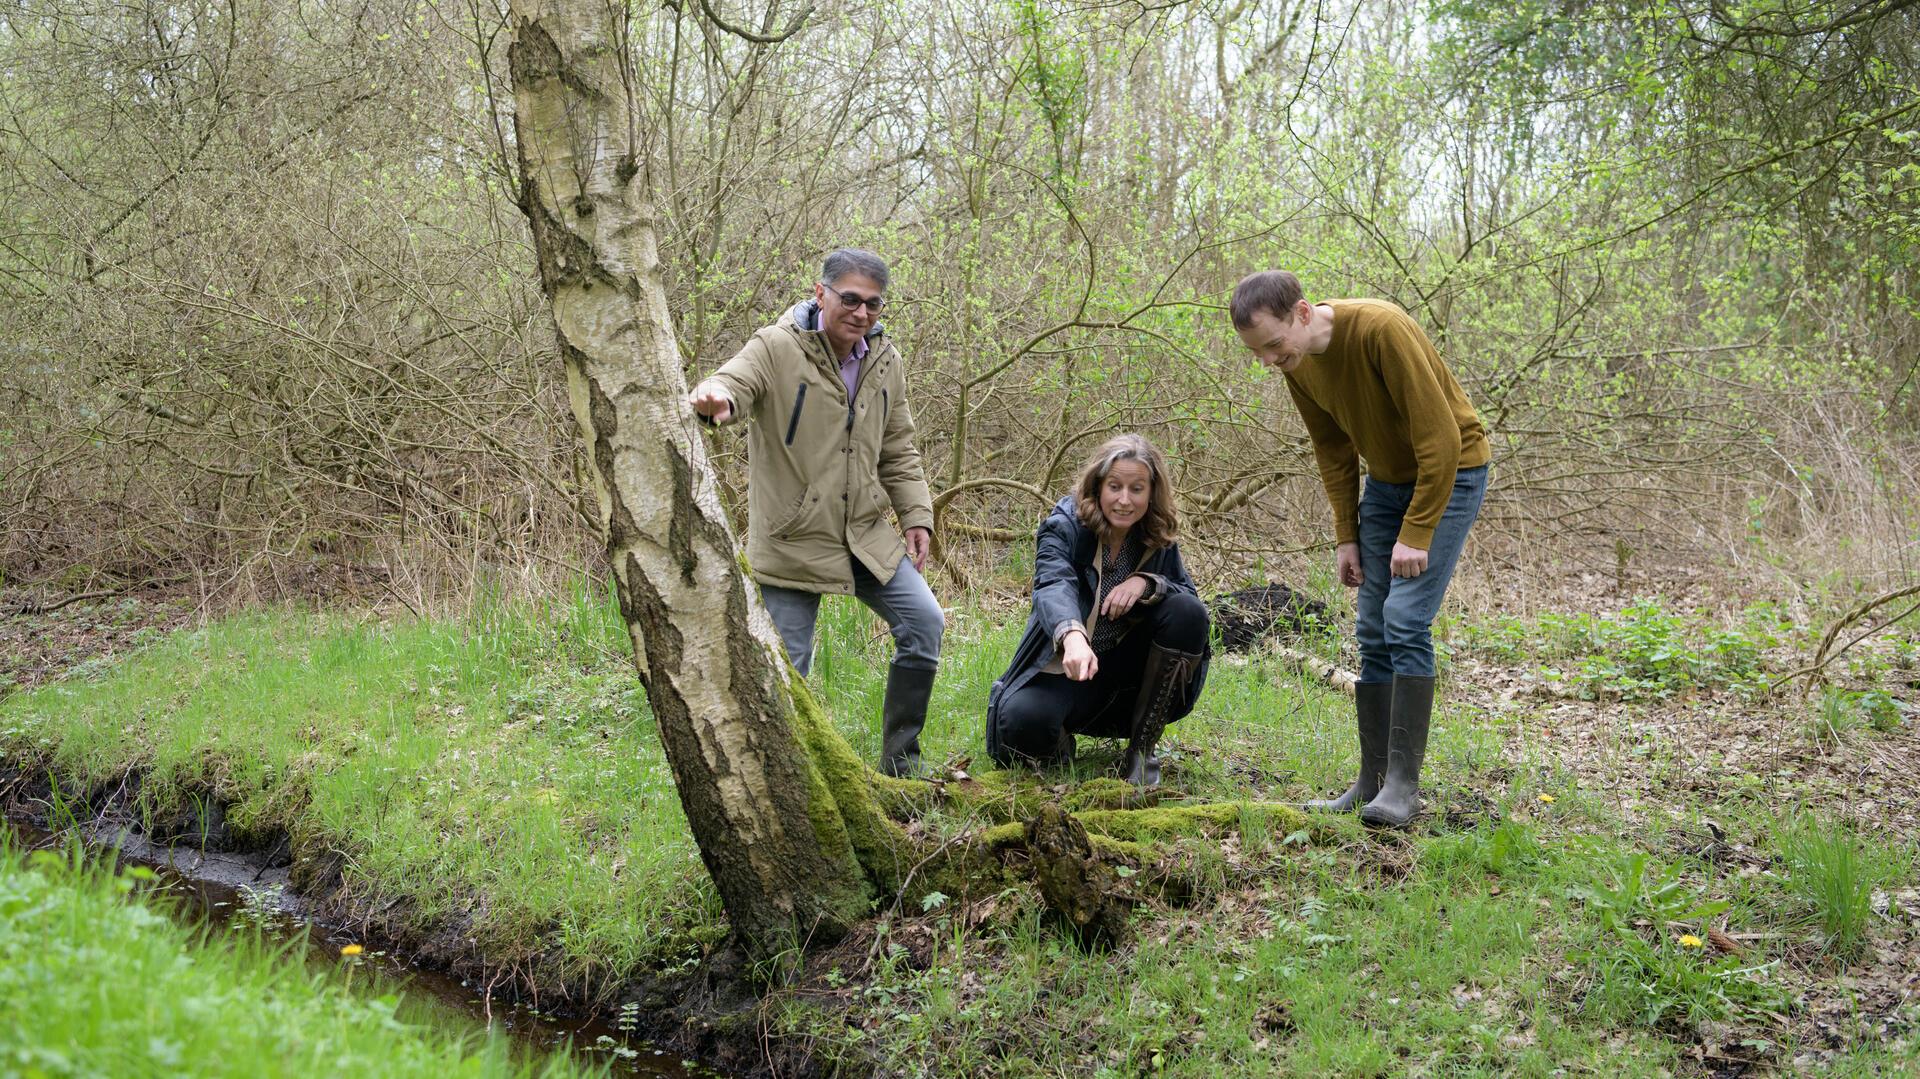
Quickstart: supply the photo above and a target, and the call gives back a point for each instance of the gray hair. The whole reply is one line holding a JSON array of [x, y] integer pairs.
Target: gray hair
[[846, 260]]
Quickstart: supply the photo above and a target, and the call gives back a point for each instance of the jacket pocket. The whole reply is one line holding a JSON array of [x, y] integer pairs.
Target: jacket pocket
[[797, 515], [793, 421]]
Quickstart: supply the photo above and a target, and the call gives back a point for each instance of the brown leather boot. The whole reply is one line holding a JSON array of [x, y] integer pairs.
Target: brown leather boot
[[1166, 673]]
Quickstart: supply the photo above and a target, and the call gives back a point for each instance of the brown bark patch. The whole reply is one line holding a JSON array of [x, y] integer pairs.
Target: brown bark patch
[[643, 606], [686, 515], [621, 531]]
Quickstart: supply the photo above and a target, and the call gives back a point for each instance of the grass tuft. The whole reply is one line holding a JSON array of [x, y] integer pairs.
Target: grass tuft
[[1834, 872]]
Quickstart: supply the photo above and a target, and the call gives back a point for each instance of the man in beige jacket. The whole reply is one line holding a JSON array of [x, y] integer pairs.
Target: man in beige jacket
[[830, 453]]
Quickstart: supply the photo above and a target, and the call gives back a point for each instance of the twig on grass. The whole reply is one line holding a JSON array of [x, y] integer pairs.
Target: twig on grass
[[1826, 653], [1339, 678]]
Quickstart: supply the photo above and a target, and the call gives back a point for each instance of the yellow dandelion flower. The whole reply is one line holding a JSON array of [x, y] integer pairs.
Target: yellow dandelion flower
[[1688, 940], [351, 949], [1548, 798]]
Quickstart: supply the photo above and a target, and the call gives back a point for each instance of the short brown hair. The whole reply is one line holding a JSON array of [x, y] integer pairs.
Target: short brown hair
[[1160, 525], [1276, 292]]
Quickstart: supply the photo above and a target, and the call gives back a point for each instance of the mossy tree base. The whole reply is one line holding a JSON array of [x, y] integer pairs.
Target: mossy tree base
[[993, 842]]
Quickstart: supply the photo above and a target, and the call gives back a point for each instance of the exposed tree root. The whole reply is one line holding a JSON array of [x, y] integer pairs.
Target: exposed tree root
[[1068, 838], [1077, 885]]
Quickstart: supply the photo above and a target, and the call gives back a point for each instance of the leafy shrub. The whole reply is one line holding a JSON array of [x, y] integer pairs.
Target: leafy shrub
[[1646, 652], [1842, 710]]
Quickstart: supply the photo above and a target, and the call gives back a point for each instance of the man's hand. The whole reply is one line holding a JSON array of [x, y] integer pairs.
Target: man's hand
[[1123, 597], [919, 542], [711, 401], [1346, 565], [1076, 655], [1408, 561]]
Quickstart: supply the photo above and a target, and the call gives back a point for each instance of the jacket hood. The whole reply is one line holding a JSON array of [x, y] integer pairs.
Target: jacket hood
[[805, 317]]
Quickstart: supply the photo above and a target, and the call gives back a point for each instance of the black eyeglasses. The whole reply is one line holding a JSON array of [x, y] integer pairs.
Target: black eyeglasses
[[854, 299]]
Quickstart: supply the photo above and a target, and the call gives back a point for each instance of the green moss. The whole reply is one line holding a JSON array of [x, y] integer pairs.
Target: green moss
[[1163, 822], [1139, 829], [829, 828], [1006, 796], [1119, 850], [843, 790], [1110, 792], [1010, 834]]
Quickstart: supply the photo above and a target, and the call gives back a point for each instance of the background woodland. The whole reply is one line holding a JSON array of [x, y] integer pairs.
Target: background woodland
[[269, 319]]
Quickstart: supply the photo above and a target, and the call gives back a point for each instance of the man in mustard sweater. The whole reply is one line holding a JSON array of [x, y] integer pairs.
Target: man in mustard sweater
[[1369, 384]]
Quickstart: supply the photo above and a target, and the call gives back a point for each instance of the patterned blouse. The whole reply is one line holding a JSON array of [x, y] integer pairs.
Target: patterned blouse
[[1107, 632]]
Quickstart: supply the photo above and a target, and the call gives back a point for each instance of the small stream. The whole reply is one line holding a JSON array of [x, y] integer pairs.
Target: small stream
[[220, 892]]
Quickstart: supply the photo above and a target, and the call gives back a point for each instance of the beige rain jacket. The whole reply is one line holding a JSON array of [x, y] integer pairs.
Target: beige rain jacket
[[822, 470]]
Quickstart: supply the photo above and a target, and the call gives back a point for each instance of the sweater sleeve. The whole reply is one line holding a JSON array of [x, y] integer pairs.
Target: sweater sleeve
[[1339, 464], [1409, 366]]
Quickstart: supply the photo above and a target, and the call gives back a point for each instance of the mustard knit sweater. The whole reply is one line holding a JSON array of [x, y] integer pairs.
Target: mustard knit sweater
[[1381, 392]]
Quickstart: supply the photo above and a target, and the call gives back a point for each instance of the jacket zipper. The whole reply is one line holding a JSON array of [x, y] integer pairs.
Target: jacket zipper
[[793, 423], [866, 368]]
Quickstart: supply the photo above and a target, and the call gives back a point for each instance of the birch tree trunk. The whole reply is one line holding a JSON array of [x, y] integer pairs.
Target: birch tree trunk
[[768, 822]]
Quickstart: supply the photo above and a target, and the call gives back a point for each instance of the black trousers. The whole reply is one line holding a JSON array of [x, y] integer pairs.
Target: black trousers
[[1033, 717]]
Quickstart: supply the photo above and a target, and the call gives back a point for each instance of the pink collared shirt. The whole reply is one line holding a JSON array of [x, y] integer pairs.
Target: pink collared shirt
[[850, 367]]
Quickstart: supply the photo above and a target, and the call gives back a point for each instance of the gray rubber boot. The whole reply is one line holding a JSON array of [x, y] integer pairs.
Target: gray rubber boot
[[901, 716], [1372, 701], [1399, 797], [1166, 672]]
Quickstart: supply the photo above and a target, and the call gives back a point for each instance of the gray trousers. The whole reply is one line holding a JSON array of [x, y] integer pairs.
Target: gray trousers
[[905, 602]]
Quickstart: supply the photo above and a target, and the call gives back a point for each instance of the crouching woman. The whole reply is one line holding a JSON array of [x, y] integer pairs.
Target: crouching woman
[[1116, 646]]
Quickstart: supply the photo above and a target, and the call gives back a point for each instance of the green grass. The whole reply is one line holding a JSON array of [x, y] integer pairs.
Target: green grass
[[98, 983], [1834, 872], [1319, 966], [851, 653], [502, 774]]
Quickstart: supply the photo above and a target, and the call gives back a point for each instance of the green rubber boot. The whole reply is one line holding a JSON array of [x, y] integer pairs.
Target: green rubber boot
[[1399, 797], [1371, 703], [902, 715]]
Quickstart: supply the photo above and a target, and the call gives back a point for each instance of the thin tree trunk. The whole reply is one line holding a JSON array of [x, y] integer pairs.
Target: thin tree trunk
[[769, 825]]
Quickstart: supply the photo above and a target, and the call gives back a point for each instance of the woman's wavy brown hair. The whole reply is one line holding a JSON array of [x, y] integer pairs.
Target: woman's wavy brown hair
[[1161, 523]]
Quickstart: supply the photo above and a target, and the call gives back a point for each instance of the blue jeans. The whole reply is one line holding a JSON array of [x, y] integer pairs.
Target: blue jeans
[[905, 602], [1393, 618]]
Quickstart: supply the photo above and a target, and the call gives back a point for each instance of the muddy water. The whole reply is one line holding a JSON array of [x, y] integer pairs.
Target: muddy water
[[221, 892]]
